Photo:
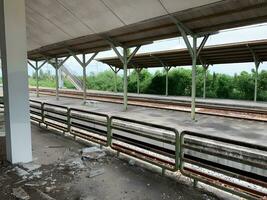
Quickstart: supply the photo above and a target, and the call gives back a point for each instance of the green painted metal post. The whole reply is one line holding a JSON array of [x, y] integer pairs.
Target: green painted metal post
[[125, 82], [115, 77], [57, 84], [37, 79], [167, 82], [84, 79], [193, 93], [257, 64], [138, 80], [109, 131], [205, 80]]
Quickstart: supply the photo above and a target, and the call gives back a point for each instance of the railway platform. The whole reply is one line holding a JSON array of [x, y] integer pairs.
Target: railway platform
[[186, 99], [237, 129], [229, 154]]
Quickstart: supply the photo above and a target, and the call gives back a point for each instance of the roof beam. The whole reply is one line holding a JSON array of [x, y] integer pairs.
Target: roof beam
[[163, 64], [255, 56], [34, 67]]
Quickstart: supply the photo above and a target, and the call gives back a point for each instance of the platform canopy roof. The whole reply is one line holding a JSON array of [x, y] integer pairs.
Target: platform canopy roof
[[83, 26], [214, 54]]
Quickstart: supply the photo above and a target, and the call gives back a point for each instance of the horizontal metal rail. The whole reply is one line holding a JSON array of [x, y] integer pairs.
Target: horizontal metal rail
[[234, 166], [152, 143], [36, 111], [56, 116], [89, 125]]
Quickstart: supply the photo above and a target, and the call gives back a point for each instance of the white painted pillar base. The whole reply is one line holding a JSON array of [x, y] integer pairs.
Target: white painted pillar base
[[15, 80]]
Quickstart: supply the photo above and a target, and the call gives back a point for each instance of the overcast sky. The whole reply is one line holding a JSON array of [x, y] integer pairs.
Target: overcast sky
[[255, 32]]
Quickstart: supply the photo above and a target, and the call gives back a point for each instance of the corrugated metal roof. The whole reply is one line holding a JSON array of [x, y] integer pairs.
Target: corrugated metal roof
[[215, 54], [83, 25]]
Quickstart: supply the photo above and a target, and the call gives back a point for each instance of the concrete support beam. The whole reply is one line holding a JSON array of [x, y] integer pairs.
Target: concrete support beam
[[15, 80], [125, 59], [83, 63]]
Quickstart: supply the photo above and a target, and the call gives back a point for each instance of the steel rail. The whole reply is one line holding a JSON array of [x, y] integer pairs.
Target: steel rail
[[183, 106]]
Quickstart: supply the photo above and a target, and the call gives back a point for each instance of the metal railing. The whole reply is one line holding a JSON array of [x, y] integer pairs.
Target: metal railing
[[88, 125], [233, 166], [152, 143], [36, 111], [56, 117]]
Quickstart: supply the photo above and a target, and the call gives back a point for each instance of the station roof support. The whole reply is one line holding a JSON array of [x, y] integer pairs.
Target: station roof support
[[115, 70], [83, 63], [125, 59], [194, 52], [257, 65], [15, 81], [36, 67], [56, 63], [138, 71], [205, 67], [167, 69]]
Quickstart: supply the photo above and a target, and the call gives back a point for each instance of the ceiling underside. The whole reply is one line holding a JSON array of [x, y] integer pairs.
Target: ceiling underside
[[83, 26], [216, 54]]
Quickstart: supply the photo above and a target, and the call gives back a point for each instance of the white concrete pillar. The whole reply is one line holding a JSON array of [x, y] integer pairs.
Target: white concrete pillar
[[15, 80]]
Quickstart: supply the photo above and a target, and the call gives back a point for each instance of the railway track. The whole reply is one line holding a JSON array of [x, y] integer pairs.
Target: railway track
[[239, 112]]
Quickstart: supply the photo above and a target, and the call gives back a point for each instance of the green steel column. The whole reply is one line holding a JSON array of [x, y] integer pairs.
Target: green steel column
[[57, 84], [257, 64], [193, 93], [204, 86], [84, 79], [37, 79], [167, 82], [115, 77], [125, 82], [138, 81]]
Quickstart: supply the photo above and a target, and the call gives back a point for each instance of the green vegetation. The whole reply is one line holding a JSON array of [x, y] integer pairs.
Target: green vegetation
[[217, 86]]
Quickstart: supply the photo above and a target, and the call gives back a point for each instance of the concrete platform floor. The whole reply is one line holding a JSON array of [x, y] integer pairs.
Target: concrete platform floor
[[59, 175], [213, 101], [237, 129]]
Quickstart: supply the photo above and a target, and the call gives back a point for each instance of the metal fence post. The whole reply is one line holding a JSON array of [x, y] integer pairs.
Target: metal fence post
[[109, 131], [68, 116]]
